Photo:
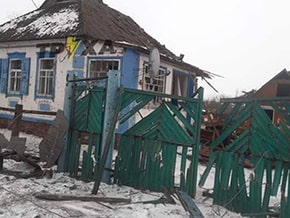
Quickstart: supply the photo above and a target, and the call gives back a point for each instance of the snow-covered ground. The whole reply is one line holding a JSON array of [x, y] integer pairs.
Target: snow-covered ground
[[17, 196]]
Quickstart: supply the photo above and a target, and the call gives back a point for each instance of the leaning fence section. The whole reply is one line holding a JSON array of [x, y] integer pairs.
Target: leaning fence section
[[255, 131], [161, 136], [154, 151]]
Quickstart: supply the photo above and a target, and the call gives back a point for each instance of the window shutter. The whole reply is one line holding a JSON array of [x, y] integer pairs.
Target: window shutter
[[54, 80], [25, 76], [3, 75]]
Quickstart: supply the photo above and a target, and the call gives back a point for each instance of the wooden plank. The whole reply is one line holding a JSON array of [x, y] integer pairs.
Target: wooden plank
[[52, 113], [16, 120], [60, 197], [51, 145], [277, 177], [107, 145], [189, 205], [267, 191]]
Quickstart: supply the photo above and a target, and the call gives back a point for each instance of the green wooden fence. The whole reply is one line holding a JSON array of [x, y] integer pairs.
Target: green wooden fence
[[148, 152], [250, 134], [84, 139]]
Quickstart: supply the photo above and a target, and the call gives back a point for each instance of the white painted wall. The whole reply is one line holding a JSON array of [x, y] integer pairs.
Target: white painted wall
[[63, 65]]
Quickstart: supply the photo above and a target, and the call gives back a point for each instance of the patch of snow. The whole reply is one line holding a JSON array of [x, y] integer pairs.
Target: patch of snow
[[132, 44], [17, 196], [13, 23], [64, 20]]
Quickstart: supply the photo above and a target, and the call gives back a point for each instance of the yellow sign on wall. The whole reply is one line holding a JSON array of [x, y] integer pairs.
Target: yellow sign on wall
[[72, 45]]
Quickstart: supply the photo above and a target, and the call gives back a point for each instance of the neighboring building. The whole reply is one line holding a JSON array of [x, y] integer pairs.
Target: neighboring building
[[85, 38], [278, 86]]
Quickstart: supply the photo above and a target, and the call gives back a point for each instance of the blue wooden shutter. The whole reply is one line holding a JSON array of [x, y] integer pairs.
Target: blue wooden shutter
[[54, 80], [25, 76], [4, 76]]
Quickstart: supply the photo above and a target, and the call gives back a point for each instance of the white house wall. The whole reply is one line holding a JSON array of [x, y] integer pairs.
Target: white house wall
[[64, 65]]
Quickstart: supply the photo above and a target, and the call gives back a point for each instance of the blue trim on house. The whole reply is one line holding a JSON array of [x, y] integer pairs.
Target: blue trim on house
[[16, 55], [80, 48], [44, 107], [78, 62], [39, 55], [45, 54], [190, 82], [12, 103], [78, 59], [130, 68], [130, 65], [25, 73], [30, 119], [4, 76]]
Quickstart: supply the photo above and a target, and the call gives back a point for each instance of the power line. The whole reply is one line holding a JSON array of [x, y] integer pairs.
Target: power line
[[34, 4]]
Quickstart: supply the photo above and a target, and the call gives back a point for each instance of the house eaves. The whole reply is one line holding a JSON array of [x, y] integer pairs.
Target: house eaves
[[87, 19]]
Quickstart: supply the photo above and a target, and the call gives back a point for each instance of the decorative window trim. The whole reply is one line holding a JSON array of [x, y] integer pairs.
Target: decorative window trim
[[5, 74], [45, 56]]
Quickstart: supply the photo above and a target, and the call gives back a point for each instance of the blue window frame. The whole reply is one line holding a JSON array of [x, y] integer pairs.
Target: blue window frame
[[182, 83], [14, 74], [46, 75]]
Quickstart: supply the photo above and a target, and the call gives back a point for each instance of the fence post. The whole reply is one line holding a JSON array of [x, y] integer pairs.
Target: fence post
[[16, 120]]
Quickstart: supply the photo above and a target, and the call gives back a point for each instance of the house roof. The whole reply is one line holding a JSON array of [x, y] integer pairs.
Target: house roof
[[90, 19], [283, 75]]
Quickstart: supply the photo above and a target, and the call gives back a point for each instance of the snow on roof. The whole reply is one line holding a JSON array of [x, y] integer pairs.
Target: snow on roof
[[13, 23], [87, 19], [64, 20]]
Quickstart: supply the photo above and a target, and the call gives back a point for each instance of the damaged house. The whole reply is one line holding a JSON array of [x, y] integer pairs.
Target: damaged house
[[85, 38]]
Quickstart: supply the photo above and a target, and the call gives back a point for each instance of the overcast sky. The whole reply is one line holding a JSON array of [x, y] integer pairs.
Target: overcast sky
[[245, 41]]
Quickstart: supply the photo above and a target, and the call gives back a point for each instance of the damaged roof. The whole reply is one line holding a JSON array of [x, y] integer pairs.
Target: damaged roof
[[90, 19]]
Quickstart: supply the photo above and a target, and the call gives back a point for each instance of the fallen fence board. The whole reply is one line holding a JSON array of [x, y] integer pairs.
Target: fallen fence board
[[189, 204]]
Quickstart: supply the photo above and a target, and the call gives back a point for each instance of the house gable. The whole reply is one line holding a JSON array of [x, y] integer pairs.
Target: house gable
[[278, 86]]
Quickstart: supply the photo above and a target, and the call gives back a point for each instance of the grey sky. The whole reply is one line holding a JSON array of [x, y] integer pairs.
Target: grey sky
[[245, 41]]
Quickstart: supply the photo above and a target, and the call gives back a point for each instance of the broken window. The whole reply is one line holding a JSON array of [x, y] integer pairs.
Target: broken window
[[46, 77], [283, 90], [155, 84], [15, 75], [100, 68], [269, 111]]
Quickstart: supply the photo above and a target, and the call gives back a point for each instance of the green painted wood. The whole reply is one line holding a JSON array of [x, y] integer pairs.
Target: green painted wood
[[267, 191], [182, 168], [135, 109], [244, 199], [233, 200], [284, 179], [244, 115], [211, 162], [238, 107], [241, 143], [180, 117], [224, 106], [277, 177], [217, 180]]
